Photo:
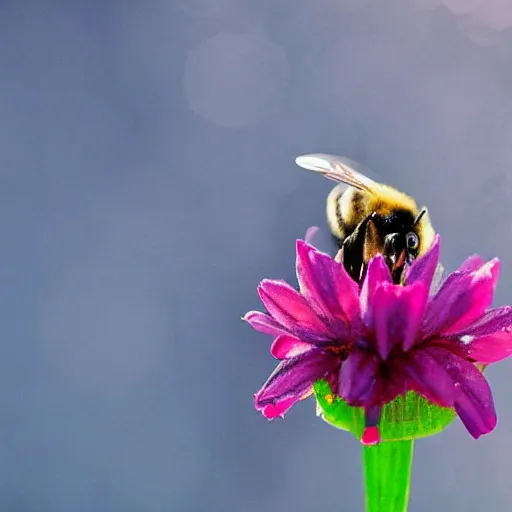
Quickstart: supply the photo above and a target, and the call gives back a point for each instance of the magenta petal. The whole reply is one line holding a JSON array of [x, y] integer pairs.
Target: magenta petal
[[311, 232], [398, 313], [414, 303], [493, 348], [423, 268], [377, 274], [317, 285], [478, 297], [471, 264], [357, 378], [327, 286], [473, 400], [272, 411], [491, 322], [264, 323], [438, 311], [294, 377], [461, 300], [371, 436], [290, 309], [285, 347], [345, 288], [429, 375], [384, 316]]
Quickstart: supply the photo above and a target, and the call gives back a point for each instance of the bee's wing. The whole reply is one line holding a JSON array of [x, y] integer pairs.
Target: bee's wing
[[337, 168]]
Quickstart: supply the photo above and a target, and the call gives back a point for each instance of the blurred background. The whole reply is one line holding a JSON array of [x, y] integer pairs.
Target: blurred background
[[147, 185]]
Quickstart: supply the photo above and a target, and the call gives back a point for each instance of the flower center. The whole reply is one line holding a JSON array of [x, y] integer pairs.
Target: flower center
[[341, 351]]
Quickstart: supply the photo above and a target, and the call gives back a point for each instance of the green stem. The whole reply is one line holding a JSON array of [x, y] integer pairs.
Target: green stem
[[387, 471]]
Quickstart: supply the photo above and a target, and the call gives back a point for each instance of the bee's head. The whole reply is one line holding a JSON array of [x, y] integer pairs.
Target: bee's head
[[401, 248]]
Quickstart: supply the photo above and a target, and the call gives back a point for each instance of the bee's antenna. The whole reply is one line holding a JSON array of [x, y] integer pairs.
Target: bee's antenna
[[419, 216]]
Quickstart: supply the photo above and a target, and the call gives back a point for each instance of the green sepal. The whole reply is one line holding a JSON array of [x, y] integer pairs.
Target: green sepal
[[406, 418]]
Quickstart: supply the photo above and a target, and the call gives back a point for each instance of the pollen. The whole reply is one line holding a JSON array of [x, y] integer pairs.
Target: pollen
[[329, 398]]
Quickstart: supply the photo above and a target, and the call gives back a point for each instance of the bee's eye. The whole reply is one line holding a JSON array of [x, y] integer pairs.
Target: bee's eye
[[413, 241]]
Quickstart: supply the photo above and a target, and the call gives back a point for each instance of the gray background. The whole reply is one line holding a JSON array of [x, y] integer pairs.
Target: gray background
[[147, 184]]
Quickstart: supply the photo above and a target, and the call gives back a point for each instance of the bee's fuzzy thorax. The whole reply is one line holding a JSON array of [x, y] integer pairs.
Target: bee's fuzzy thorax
[[389, 199]]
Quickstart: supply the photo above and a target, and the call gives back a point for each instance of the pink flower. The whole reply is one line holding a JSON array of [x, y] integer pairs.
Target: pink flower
[[379, 341]]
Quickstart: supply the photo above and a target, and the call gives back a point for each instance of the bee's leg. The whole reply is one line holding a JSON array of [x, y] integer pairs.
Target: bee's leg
[[373, 241], [360, 247], [352, 251]]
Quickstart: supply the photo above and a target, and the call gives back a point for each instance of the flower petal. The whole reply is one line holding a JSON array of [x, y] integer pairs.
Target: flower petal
[[423, 268], [327, 286], [290, 309], [398, 313], [293, 378], [461, 300], [264, 323], [357, 378], [315, 281], [430, 377], [473, 401], [478, 298], [278, 409], [493, 348], [376, 274], [286, 347], [311, 232], [491, 322], [471, 264]]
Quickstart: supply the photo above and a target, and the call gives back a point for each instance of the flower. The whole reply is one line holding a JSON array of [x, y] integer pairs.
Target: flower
[[378, 341]]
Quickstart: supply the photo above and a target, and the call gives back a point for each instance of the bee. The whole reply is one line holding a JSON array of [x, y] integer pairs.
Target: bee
[[366, 217]]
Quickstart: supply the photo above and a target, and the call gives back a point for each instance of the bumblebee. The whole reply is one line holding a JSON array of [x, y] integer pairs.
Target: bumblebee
[[366, 217]]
